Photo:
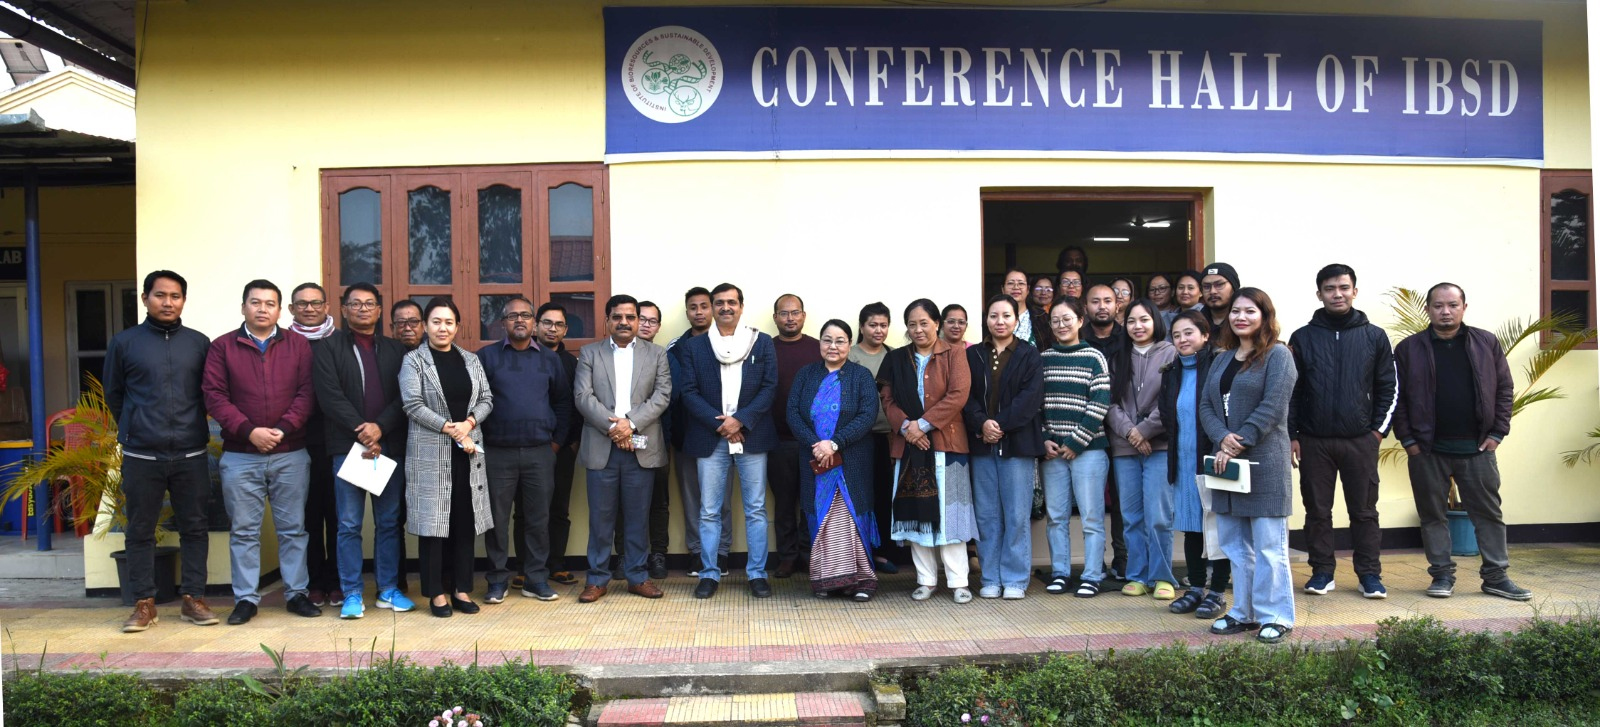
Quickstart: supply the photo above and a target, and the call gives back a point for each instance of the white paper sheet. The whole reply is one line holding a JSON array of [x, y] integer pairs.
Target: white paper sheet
[[371, 475]]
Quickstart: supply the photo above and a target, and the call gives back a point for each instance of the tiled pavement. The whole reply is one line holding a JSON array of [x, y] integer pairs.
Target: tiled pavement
[[735, 629]]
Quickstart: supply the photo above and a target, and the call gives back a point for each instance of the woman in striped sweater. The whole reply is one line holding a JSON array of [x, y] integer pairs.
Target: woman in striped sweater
[[1077, 393]]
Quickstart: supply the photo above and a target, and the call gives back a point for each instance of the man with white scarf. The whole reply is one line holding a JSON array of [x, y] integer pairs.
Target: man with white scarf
[[730, 383]]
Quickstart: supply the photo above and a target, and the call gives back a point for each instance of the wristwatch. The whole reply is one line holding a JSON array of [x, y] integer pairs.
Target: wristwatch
[[834, 445]]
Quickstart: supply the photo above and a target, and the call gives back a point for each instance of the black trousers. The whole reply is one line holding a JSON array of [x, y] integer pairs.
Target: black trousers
[[883, 498], [322, 524], [660, 513], [1194, 553], [447, 562], [520, 481], [145, 483], [560, 503], [1119, 539], [1354, 462], [783, 478]]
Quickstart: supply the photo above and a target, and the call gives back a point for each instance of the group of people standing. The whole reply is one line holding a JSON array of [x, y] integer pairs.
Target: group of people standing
[[1139, 411]]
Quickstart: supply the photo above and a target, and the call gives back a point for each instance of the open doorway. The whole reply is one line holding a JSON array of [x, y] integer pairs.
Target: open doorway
[[1124, 233]]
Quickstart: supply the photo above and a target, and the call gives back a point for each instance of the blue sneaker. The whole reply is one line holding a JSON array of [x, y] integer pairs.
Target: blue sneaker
[[396, 600], [1320, 584], [353, 607], [1372, 587]]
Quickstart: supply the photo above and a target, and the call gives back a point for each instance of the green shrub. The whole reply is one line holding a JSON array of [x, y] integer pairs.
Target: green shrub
[[221, 703], [399, 693], [1551, 660], [1061, 690], [81, 699], [1444, 663], [942, 698]]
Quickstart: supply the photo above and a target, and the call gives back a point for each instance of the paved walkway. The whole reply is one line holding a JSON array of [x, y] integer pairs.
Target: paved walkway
[[734, 629]]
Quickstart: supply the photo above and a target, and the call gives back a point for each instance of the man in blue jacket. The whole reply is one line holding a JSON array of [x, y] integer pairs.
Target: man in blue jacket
[[152, 384], [730, 381]]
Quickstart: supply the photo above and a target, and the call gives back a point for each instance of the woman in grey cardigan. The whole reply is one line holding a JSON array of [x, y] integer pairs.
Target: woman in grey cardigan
[[1244, 407], [445, 395]]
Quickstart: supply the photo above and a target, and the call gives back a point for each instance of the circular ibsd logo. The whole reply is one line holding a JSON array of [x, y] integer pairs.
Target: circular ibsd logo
[[672, 74]]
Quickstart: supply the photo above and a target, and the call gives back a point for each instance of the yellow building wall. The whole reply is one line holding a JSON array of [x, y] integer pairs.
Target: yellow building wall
[[234, 131]]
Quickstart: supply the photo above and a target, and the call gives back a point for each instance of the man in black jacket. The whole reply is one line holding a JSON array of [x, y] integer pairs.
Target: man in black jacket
[[356, 372], [1454, 409], [152, 383], [552, 332], [1342, 408]]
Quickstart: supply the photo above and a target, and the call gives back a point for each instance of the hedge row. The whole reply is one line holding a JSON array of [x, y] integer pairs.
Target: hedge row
[[1419, 672], [389, 693]]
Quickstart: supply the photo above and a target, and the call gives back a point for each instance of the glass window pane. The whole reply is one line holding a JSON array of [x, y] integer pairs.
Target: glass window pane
[[580, 313], [91, 319], [131, 308], [89, 369], [429, 236], [1575, 302], [489, 317], [500, 235], [571, 233], [1569, 235], [360, 237]]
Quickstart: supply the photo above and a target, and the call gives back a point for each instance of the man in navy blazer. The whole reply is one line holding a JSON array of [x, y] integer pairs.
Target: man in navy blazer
[[730, 382]]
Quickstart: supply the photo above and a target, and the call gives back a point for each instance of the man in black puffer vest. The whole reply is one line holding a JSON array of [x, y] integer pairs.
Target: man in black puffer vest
[[1342, 408]]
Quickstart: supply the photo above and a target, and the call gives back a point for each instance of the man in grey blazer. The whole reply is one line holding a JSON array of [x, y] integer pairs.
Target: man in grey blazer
[[621, 390]]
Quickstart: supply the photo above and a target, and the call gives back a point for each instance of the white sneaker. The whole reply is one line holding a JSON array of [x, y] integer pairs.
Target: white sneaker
[[963, 595], [923, 593], [989, 592], [1014, 594]]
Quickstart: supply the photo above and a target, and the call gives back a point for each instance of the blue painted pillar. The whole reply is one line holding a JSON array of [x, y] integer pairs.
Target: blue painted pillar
[[41, 437]]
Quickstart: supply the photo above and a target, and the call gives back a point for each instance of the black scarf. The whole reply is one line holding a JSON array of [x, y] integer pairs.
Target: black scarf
[[916, 498]]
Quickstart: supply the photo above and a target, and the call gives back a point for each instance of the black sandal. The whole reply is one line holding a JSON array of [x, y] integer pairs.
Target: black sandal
[[1273, 633], [1057, 585], [1211, 607], [1188, 602], [1228, 626], [1088, 589]]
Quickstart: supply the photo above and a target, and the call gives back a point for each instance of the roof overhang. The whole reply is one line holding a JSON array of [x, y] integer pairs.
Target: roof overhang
[[61, 157]]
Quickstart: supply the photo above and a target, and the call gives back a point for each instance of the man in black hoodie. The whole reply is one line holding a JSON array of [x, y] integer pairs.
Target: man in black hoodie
[[1343, 405], [152, 383]]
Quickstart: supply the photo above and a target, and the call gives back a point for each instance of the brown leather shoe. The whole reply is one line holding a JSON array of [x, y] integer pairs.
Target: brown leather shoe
[[785, 568], [144, 616], [648, 589], [196, 611], [591, 594]]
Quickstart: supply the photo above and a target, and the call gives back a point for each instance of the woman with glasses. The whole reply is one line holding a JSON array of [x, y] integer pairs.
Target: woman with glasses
[[953, 325], [445, 393], [1002, 418], [1077, 392], [1042, 291], [1069, 284], [1015, 284], [924, 386], [1122, 288], [831, 409], [1159, 290]]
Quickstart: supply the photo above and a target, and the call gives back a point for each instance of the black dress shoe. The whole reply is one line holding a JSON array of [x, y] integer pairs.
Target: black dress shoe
[[243, 611], [466, 607], [785, 569], [706, 589], [760, 588], [440, 611], [657, 564], [302, 606]]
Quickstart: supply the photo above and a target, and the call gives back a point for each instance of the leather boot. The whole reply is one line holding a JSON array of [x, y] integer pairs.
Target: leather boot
[[196, 611], [144, 616]]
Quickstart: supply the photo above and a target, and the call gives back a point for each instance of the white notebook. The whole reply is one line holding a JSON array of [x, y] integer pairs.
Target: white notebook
[[371, 475]]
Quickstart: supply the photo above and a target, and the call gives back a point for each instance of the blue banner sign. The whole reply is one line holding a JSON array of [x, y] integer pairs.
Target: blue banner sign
[[798, 82]]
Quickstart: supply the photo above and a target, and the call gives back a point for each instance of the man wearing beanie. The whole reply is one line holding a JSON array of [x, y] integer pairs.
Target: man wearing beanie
[[1218, 283]]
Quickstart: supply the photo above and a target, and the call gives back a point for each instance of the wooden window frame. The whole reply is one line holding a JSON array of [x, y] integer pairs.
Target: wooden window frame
[[463, 183], [1552, 181]]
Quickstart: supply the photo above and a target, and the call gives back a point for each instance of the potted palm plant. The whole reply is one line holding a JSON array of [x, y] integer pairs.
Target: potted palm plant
[[88, 469], [1563, 333]]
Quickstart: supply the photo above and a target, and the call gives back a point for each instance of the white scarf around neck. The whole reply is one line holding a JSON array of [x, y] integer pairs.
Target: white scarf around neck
[[314, 333], [731, 351]]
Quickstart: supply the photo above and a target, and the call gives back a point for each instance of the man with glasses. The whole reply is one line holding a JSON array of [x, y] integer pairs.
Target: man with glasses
[[1218, 283], [552, 334], [358, 387], [623, 388], [532, 411], [795, 349], [730, 381], [309, 308], [406, 315]]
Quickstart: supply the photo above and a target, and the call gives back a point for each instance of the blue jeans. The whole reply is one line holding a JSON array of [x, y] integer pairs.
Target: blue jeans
[[1258, 548], [1146, 501], [1002, 493], [1082, 479], [713, 473], [386, 535], [249, 483], [619, 496]]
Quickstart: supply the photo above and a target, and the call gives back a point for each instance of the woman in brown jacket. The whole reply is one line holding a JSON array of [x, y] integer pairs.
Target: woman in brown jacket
[[924, 386]]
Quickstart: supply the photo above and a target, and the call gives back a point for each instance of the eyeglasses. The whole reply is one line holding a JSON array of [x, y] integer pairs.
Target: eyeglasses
[[553, 324], [1043, 289], [407, 322], [835, 343], [1062, 322], [304, 304], [1219, 285], [1074, 283], [651, 321], [522, 316], [359, 304], [1160, 288]]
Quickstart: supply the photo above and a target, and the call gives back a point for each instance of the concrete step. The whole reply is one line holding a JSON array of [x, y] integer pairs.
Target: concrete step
[[781, 709], [609, 681]]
